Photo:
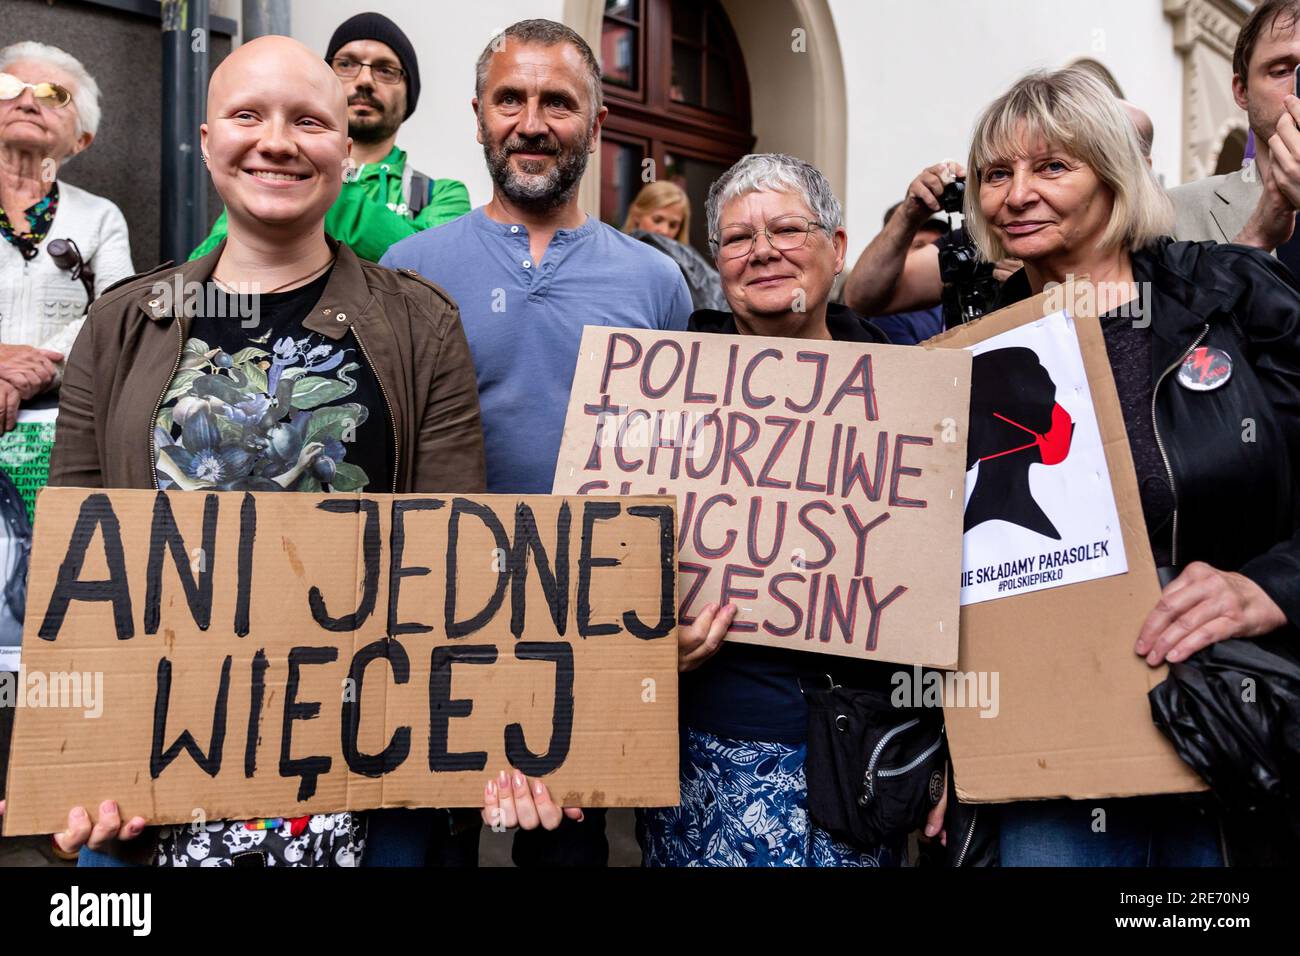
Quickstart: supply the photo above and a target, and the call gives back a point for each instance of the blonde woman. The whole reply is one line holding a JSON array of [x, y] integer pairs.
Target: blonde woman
[[1058, 180], [662, 208]]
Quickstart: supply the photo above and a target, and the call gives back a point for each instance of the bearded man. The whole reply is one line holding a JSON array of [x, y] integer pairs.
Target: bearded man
[[528, 271]]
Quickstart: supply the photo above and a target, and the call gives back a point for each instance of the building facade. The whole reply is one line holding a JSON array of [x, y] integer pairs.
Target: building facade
[[870, 91]]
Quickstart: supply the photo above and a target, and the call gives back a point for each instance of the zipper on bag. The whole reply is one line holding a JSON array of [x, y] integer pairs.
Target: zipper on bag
[[869, 777], [970, 835]]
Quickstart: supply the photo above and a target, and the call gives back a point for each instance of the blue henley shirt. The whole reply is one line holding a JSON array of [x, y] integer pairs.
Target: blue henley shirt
[[524, 322]]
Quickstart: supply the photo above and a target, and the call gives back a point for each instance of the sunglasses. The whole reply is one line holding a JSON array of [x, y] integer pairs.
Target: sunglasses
[[47, 94]]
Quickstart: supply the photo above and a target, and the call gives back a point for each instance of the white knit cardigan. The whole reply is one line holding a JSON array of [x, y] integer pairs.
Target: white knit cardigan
[[40, 304]]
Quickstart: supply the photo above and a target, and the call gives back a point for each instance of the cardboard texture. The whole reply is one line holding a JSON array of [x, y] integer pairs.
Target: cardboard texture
[[819, 484], [1072, 717], [561, 660]]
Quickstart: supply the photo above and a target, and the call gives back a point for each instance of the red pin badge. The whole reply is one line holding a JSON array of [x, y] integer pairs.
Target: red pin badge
[[1205, 369]]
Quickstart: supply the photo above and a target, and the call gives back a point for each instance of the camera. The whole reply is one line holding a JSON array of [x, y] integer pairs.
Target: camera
[[969, 289], [954, 195], [67, 257]]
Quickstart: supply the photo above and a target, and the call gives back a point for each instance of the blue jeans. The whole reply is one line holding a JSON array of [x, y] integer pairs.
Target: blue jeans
[[1138, 831], [423, 837], [94, 858]]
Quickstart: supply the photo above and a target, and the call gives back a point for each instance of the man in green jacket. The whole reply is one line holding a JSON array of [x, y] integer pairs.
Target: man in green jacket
[[384, 199]]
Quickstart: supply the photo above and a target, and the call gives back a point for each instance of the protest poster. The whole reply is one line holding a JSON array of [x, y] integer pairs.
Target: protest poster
[[1070, 717], [819, 484], [1029, 527], [25, 461], [262, 655]]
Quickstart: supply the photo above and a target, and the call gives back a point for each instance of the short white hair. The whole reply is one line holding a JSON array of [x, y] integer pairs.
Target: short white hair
[[86, 95], [774, 172]]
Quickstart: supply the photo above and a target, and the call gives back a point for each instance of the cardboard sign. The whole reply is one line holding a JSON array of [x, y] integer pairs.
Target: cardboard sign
[[272, 655], [1071, 717], [819, 483]]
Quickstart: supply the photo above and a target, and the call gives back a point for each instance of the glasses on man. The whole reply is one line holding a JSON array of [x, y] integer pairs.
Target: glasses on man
[[349, 68], [786, 233], [47, 94]]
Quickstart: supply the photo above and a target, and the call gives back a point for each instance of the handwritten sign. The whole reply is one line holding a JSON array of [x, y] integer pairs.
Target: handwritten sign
[[819, 484], [275, 655]]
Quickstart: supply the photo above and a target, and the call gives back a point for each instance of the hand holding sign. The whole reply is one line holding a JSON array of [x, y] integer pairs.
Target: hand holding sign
[[808, 477], [1201, 606], [519, 801], [368, 653], [107, 828], [703, 637], [81, 832]]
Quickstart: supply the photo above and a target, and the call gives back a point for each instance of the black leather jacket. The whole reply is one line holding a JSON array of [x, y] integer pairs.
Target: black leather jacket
[[1233, 454]]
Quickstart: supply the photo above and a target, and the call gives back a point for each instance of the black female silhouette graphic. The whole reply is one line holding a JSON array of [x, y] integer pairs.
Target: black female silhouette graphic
[[1015, 422]]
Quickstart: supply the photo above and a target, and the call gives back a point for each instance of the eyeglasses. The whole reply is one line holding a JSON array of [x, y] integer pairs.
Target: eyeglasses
[[348, 68], [47, 94], [786, 233]]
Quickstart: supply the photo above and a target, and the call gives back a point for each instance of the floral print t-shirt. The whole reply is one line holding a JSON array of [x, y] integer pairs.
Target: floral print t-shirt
[[263, 404]]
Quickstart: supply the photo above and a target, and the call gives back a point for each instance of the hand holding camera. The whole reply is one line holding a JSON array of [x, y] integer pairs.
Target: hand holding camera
[[926, 192]]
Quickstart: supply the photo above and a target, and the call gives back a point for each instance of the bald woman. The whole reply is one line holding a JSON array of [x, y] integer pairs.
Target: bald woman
[[200, 392]]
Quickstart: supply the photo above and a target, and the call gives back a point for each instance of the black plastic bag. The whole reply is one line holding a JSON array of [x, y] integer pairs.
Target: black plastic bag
[[1232, 711]]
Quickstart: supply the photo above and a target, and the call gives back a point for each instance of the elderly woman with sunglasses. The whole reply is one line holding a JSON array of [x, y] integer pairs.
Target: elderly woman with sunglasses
[[49, 112]]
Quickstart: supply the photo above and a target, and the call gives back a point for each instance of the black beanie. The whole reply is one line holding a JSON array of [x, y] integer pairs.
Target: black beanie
[[376, 26]]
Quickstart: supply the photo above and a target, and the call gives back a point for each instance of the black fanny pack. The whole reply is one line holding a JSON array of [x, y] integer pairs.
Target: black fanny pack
[[874, 770]]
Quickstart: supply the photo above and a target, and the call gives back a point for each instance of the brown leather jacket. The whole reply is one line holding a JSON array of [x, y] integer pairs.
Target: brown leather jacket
[[130, 346], [409, 329]]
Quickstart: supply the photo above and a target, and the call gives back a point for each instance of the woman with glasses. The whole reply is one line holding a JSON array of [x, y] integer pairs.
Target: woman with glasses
[[49, 112], [778, 238]]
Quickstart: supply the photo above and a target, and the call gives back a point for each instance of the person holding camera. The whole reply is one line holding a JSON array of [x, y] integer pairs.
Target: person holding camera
[[49, 112], [893, 274], [916, 325]]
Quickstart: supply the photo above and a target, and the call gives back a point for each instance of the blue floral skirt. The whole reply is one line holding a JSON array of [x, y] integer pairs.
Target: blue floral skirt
[[744, 803]]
